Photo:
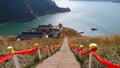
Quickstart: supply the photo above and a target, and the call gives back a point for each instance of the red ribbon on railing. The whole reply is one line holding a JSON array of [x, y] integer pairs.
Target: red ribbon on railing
[[47, 49], [105, 62], [1, 57], [30, 51], [41, 48], [74, 47], [84, 53], [4, 58], [80, 50], [53, 47]]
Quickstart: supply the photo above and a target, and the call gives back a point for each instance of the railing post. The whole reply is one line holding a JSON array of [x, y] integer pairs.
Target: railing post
[[52, 49], [38, 53], [90, 60], [48, 51], [79, 55], [92, 47], [80, 48], [75, 51], [55, 48], [14, 58]]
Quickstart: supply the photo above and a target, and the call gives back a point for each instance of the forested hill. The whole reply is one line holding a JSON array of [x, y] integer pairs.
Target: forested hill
[[26, 10]]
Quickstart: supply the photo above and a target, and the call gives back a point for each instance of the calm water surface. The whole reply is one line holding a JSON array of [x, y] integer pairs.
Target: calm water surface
[[83, 16]]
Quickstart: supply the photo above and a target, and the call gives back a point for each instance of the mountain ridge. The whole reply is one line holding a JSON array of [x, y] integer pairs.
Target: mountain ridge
[[26, 10]]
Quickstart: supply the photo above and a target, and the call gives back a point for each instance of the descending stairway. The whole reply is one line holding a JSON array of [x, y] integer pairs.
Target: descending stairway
[[62, 59]]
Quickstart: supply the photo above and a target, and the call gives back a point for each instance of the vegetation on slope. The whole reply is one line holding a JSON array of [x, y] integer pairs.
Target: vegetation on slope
[[70, 32], [108, 48], [26, 61], [109, 43]]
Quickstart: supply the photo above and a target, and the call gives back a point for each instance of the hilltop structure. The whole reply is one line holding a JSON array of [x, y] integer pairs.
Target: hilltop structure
[[42, 31]]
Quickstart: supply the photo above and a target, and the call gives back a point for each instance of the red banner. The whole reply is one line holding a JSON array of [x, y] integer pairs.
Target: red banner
[[106, 63], [30, 51], [4, 58]]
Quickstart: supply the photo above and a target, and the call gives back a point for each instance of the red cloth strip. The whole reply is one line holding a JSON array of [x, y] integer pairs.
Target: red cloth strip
[[4, 58], [30, 51], [105, 62], [84, 53]]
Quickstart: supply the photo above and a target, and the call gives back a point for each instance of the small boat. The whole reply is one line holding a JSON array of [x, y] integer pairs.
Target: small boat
[[81, 32], [94, 29]]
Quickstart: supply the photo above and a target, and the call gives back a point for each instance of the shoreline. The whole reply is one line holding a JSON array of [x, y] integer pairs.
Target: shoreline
[[64, 27]]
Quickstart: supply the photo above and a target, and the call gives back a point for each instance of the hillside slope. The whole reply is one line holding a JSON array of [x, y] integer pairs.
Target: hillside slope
[[25, 10]]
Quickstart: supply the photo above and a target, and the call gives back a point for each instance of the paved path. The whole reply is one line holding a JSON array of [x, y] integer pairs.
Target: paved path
[[62, 59]]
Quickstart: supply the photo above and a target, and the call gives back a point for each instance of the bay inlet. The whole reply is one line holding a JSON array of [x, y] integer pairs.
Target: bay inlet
[[84, 15]]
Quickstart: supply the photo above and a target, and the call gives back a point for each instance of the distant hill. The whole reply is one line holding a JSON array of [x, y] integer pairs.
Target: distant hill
[[25, 10], [117, 1], [87, 0]]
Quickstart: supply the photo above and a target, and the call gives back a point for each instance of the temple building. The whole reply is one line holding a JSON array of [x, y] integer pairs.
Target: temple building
[[42, 31]]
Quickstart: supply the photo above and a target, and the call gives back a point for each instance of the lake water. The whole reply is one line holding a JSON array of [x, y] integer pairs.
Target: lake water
[[84, 15]]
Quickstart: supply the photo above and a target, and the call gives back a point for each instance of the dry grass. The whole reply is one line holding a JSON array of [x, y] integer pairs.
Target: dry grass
[[109, 43], [29, 60], [25, 44], [26, 61], [6, 41], [102, 40], [70, 32]]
